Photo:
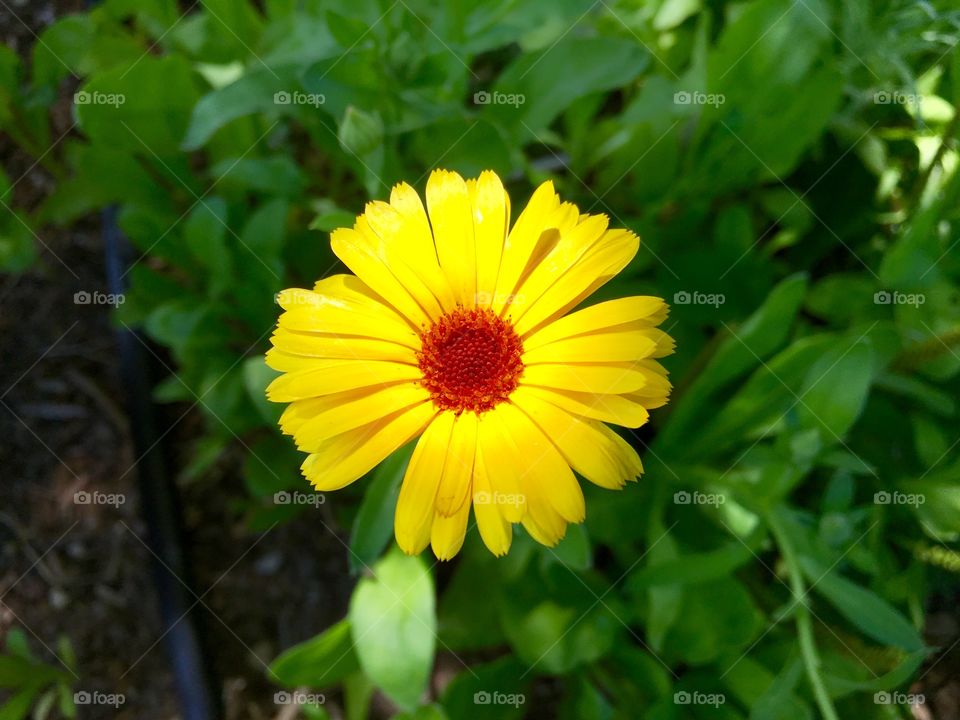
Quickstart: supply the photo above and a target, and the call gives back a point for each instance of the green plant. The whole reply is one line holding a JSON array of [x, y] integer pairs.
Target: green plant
[[36, 688], [792, 171]]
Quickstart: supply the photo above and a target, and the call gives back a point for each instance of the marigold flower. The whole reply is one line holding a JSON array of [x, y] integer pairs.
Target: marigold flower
[[454, 329]]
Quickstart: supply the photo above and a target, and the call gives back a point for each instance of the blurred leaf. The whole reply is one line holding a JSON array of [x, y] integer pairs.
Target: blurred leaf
[[532, 97], [143, 109], [373, 526], [394, 627], [470, 695], [865, 609], [319, 662]]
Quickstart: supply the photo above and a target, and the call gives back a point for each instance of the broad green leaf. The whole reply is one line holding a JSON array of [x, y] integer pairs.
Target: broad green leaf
[[527, 96], [863, 608], [761, 335], [320, 662], [471, 694], [277, 175], [835, 390], [394, 625], [143, 109], [692, 568], [18, 705]]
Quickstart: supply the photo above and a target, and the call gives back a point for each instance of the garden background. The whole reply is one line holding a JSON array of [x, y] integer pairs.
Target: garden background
[[791, 168]]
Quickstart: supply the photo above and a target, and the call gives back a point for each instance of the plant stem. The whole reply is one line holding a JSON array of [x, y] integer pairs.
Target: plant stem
[[808, 648]]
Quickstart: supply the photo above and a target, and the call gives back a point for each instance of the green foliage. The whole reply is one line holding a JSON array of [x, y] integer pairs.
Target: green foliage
[[793, 172], [34, 687]]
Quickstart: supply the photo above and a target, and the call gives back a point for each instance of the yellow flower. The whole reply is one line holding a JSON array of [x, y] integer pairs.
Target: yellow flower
[[454, 329]]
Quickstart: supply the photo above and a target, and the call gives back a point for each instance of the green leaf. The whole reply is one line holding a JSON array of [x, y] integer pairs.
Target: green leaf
[[532, 97], [319, 662], [471, 694], [143, 109], [205, 231], [394, 626], [692, 568], [360, 132], [257, 375], [761, 335], [863, 608], [426, 712], [835, 390], [572, 551], [19, 704], [373, 526], [277, 175]]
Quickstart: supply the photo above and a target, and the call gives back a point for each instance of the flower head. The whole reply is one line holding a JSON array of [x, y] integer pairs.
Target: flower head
[[454, 329]]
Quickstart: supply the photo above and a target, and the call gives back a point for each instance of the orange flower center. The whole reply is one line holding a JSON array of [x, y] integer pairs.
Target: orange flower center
[[470, 360]]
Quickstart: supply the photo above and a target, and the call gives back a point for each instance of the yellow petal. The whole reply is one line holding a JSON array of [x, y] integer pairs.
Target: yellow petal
[[455, 480], [350, 455], [596, 348], [504, 463], [368, 258], [348, 321], [451, 215], [618, 409], [299, 411], [418, 244], [545, 525], [598, 379], [495, 530], [323, 345], [522, 241], [546, 477], [601, 262], [448, 532], [591, 448], [407, 253], [330, 376], [491, 219], [577, 234], [355, 408], [655, 393], [418, 493], [638, 308]]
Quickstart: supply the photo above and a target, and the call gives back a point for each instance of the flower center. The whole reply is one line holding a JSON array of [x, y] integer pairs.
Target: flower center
[[470, 360]]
